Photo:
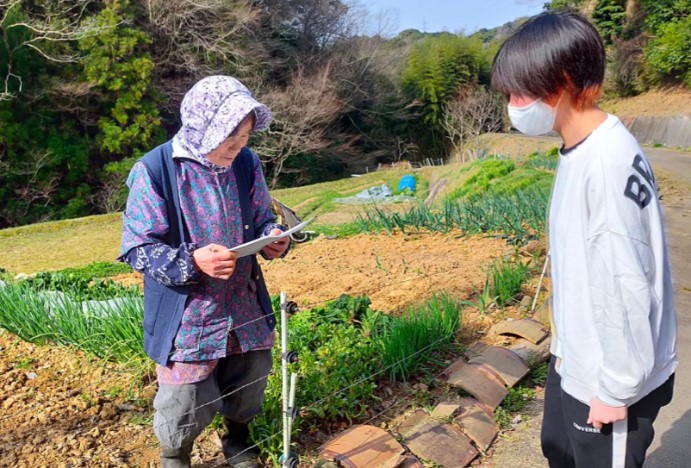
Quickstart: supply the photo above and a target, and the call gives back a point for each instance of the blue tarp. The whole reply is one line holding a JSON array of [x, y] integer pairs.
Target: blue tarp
[[407, 182]]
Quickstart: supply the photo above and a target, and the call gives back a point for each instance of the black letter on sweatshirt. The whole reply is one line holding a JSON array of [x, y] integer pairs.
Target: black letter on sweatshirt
[[644, 169], [637, 191]]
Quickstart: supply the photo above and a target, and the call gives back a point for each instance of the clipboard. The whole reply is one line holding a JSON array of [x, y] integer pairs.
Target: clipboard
[[256, 245]]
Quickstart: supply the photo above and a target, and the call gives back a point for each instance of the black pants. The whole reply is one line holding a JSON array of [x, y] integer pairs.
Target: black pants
[[569, 442]]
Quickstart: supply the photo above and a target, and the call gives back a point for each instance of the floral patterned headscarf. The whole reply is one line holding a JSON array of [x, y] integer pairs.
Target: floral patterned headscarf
[[213, 109]]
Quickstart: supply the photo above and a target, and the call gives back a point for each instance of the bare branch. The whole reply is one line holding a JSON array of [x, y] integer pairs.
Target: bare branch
[[35, 189], [303, 111], [59, 22], [201, 38], [474, 111]]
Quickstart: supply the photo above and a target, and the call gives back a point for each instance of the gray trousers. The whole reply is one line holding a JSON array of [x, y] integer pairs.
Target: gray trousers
[[184, 411]]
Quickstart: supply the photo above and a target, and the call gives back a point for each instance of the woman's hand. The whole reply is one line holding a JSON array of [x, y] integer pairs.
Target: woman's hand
[[601, 414], [215, 260], [278, 248]]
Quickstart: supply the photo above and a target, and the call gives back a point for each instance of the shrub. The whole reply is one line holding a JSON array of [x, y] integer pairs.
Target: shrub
[[668, 54]]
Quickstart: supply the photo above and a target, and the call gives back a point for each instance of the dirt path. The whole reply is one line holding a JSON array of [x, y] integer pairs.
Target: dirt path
[[521, 449]]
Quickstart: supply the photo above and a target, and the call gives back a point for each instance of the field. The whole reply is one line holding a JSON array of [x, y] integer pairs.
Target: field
[[451, 270]]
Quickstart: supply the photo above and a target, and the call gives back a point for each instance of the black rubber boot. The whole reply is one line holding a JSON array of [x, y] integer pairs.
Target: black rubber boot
[[235, 443], [176, 458]]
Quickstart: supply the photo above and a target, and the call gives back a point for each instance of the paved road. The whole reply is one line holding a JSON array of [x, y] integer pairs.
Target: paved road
[[672, 445]]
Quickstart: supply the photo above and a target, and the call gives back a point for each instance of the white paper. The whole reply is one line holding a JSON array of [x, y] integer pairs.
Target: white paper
[[256, 245]]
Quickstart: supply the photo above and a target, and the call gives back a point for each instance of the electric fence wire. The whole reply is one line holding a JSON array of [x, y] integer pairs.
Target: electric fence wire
[[364, 379], [311, 305], [304, 408], [90, 384], [107, 376]]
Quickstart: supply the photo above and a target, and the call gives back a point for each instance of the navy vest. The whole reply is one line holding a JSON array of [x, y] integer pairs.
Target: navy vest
[[164, 305]]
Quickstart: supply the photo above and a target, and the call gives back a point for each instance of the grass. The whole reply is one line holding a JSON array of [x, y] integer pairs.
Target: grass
[[57, 245], [315, 200], [60, 244], [413, 338], [506, 280]]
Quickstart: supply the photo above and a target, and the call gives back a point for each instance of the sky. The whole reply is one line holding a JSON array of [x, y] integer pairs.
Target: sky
[[449, 15]]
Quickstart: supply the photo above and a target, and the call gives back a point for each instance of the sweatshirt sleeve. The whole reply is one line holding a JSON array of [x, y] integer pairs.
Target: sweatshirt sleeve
[[144, 227], [620, 268]]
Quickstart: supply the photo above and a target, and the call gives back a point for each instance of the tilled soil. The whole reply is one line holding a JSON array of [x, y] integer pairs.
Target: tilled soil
[[62, 408], [394, 271]]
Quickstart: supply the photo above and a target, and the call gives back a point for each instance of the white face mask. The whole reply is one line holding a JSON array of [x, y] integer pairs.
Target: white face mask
[[534, 119]]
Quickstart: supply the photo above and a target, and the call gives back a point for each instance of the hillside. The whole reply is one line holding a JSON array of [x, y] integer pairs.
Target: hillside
[[56, 245], [668, 102]]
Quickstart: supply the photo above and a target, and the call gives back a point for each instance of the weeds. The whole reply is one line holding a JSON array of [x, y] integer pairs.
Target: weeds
[[507, 278], [538, 377], [24, 363], [142, 419], [515, 402]]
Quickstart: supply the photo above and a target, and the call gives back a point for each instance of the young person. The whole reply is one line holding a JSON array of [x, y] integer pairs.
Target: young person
[[614, 336], [208, 321]]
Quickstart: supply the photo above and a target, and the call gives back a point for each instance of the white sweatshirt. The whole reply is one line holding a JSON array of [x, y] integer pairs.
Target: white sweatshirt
[[614, 318]]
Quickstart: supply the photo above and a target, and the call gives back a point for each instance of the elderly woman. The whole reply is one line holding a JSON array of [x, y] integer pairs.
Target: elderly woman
[[208, 321]]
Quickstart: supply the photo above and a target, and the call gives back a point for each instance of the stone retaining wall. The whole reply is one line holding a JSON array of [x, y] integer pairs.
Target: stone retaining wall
[[668, 131]]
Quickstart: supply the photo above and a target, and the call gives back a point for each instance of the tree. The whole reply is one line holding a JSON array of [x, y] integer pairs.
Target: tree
[[37, 55], [563, 5], [312, 25], [437, 68], [116, 61], [192, 39], [474, 111], [668, 55], [609, 16], [44, 28], [303, 111]]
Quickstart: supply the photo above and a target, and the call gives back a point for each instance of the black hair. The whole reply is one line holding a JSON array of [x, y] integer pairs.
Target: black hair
[[549, 53]]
